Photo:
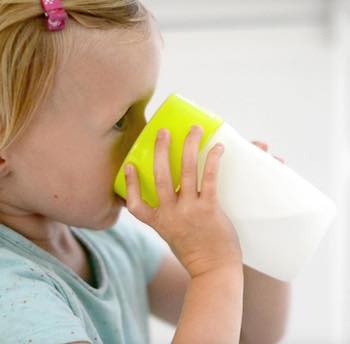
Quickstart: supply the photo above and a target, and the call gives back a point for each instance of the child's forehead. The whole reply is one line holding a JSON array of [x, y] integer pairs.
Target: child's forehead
[[118, 63], [81, 45]]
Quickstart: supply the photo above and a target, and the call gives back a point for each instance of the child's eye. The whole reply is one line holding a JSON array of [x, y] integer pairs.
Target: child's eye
[[120, 124]]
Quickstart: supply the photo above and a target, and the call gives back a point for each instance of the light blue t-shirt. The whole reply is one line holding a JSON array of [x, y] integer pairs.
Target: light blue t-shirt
[[44, 301]]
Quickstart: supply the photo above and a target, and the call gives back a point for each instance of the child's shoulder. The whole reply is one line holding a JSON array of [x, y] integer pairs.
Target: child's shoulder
[[16, 267], [21, 276], [28, 298], [11, 260]]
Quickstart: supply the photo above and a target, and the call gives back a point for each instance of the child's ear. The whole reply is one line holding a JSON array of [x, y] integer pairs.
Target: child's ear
[[4, 165]]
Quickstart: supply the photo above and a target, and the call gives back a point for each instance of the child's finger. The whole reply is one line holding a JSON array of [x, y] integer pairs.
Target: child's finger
[[162, 175], [280, 159], [189, 163], [134, 203], [262, 145], [211, 169]]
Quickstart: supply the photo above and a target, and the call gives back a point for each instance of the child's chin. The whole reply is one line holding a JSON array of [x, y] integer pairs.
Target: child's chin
[[112, 218]]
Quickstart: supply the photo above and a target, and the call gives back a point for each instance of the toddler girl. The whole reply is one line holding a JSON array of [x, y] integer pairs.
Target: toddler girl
[[73, 92]]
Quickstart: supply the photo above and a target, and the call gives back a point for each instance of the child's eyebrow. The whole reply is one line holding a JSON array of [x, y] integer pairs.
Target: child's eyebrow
[[145, 97]]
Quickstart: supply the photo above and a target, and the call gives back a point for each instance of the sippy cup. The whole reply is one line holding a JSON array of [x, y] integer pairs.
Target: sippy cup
[[280, 218]]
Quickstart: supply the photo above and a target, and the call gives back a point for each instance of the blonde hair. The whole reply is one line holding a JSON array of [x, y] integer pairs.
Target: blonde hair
[[29, 54]]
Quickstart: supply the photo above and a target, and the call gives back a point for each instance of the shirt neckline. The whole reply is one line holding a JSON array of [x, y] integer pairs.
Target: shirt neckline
[[48, 260], [97, 265]]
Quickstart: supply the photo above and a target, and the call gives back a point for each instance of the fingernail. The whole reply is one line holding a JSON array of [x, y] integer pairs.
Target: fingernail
[[196, 129], [162, 133], [128, 168]]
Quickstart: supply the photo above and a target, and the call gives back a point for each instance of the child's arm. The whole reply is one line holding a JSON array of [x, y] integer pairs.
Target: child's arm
[[203, 239], [265, 308], [212, 309], [265, 302]]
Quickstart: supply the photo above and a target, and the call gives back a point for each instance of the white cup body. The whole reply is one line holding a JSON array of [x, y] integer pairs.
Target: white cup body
[[280, 217]]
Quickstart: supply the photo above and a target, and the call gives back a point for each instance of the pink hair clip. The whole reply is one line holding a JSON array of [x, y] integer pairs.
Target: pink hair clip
[[55, 13]]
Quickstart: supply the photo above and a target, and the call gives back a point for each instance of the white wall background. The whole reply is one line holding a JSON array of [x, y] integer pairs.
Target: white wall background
[[341, 173], [279, 74]]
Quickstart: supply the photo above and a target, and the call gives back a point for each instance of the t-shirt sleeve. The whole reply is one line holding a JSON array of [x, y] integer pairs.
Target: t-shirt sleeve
[[31, 308], [151, 247]]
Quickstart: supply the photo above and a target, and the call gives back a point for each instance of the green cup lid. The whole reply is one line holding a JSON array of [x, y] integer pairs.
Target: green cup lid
[[178, 115]]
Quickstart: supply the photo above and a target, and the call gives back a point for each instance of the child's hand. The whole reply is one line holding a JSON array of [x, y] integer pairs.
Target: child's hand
[[192, 223], [265, 148]]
